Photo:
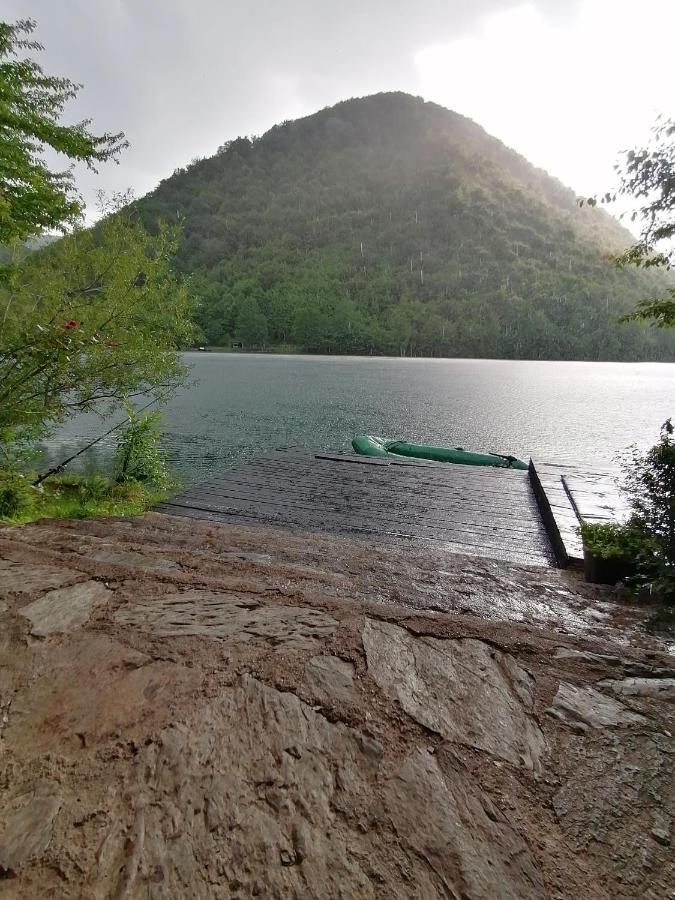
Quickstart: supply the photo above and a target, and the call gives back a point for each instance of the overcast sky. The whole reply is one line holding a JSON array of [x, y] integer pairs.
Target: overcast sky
[[567, 83]]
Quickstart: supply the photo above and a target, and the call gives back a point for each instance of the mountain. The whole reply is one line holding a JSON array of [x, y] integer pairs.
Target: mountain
[[391, 225], [32, 245]]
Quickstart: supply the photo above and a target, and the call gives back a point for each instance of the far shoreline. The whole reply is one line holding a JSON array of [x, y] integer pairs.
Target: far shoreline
[[286, 350]]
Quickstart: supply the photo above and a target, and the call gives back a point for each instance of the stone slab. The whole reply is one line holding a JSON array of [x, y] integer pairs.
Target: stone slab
[[27, 826], [584, 707], [465, 690], [655, 688], [224, 616], [331, 677], [66, 608], [468, 844], [259, 795], [132, 559], [29, 578]]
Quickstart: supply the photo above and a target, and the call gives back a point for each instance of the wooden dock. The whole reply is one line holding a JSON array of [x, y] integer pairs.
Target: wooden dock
[[522, 517], [461, 509], [569, 495]]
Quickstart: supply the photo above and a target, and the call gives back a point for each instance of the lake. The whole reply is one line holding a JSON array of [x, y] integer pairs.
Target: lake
[[242, 405]]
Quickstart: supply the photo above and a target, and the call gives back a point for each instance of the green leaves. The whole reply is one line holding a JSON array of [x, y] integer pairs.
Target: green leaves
[[660, 312], [644, 547], [139, 457], [32, 196], [649, 483], [648, 177], [97, 317], [93, 318], [389, 225]]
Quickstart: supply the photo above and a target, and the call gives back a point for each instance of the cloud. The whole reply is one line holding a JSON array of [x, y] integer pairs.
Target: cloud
[[571, 94], [182, 76]]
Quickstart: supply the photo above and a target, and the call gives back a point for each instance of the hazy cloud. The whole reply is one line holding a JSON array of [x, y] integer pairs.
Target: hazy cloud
[[182, 76]]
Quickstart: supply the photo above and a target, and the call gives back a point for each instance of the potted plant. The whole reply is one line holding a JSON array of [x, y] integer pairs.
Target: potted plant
[[612, 552]]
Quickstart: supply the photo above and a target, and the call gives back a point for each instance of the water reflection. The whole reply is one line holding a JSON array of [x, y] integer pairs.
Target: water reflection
[[245, 404]]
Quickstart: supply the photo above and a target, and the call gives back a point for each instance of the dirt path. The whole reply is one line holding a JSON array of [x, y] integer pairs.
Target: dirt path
[[196, 710]]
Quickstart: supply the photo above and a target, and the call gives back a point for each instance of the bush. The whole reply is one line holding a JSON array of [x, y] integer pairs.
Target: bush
[[94, 489], [16, 494], [642, 552], [649, 484], [139, 457], [94, 317], [615, 553], [617, 542], [71, 497]]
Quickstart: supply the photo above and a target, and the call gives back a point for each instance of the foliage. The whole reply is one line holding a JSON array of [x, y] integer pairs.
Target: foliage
[[650, 487], [647, 541], [647, 176], [15, 493], [139, 457], [390, 225], [89, 320], [71, 497], [32, 196], [608, 540], [251, 327]]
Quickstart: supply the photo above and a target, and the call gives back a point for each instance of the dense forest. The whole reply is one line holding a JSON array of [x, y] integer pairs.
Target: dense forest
[[392, 225]]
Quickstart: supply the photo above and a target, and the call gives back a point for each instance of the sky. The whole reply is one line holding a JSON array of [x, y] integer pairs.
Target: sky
[[567, 83]]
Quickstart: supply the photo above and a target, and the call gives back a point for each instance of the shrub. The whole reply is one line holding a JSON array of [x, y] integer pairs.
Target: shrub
[[649, 484], [614, 553], [619, 542], [642, 551], [16, 494], [94, 489], [139, 457]]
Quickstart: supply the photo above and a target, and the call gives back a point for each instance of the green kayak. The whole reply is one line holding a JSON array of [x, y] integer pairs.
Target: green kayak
[[369, 445]]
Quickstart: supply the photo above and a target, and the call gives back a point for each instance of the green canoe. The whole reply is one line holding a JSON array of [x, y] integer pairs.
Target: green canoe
[[369, 445]]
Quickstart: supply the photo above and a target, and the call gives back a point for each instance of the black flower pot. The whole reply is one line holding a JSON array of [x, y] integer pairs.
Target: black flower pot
[[606, 570]]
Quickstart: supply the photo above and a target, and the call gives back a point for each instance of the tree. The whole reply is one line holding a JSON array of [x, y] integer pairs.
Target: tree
[[649, 483], [139, 457], [469, 253], [647, 175], [642, 551], [32, 196], [98, 316], [89, 321], [251, 327]]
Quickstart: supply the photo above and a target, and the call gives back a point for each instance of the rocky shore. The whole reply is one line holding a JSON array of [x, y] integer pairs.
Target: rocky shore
[[199, 710]]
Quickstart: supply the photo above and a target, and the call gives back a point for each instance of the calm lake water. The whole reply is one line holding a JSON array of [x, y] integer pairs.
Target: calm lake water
[[242, 405]]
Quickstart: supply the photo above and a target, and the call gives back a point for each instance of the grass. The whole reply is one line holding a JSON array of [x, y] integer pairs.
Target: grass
[[71, 497]]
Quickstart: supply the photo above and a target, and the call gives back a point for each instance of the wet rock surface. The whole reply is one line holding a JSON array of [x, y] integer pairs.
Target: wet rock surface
[[465, 690], [132, 559], [28, 820], [661, 688], [16, 578], [203, 710], [584, 707], [469, 847], [614, 792], [268, 806], [65, 608], [221, 616], [331, 677]]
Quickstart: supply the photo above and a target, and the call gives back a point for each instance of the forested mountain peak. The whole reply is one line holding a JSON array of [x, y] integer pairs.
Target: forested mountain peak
[[389, 224]]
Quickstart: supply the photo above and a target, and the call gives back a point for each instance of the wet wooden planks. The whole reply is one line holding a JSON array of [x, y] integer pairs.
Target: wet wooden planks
[[576, 495], [461, 509]]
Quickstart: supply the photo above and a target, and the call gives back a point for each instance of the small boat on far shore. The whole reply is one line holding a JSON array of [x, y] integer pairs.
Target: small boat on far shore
[[369, 445]]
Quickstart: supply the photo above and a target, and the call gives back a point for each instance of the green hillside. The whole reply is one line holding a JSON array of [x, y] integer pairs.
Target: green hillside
[[391, 225]]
